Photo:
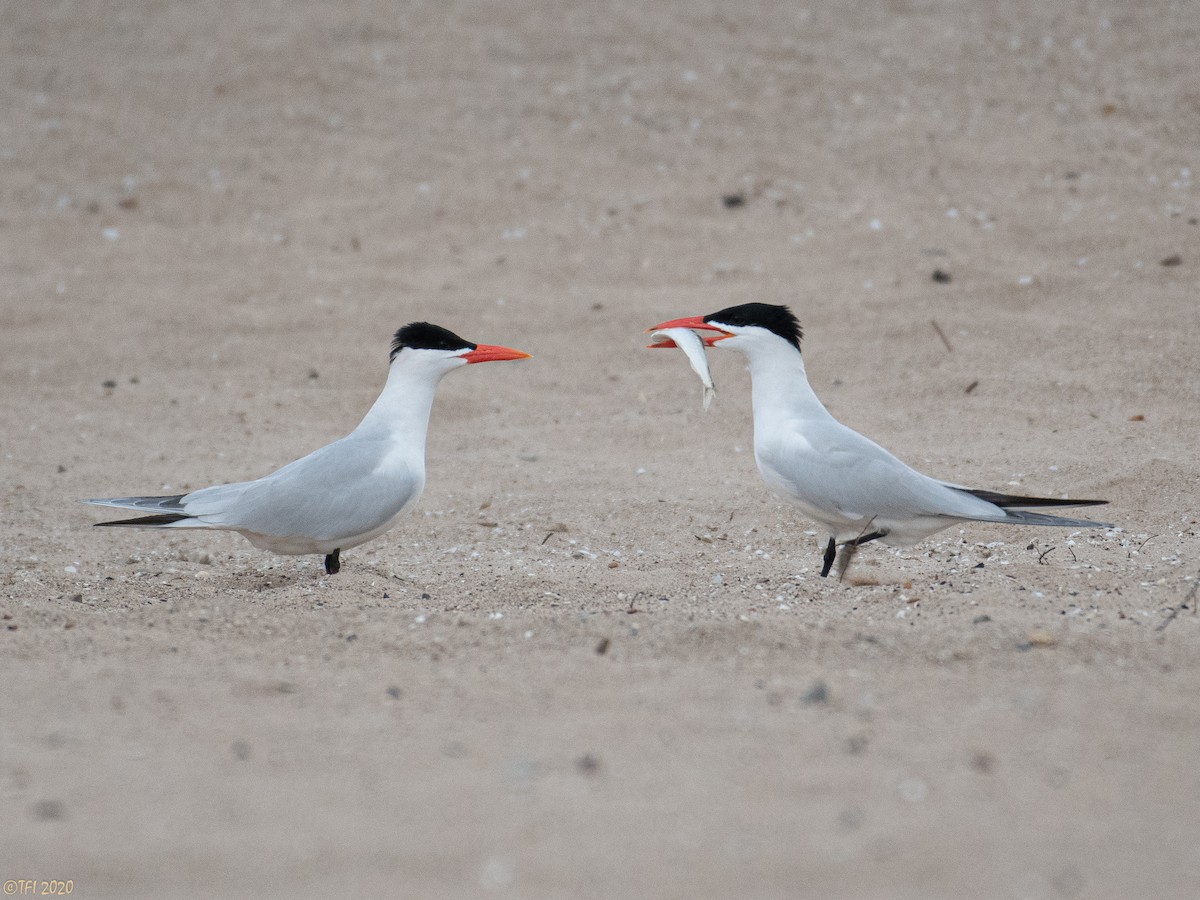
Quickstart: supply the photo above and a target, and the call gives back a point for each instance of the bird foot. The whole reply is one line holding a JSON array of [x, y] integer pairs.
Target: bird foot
[[333, 563], [830, 553], [849, 548]]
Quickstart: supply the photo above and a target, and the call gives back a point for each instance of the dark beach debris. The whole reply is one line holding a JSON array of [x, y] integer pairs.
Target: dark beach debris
[[983, 762], [856, 744], [49, 811], [588, 764], [818, 694]]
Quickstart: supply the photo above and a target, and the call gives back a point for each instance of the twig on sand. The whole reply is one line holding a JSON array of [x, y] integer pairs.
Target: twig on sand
[[844, 559], [1138, 548], [849, 549], [1191, 596], [942, 335]]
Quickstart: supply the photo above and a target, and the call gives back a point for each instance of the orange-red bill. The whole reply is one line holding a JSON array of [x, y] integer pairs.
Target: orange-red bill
[[693, 322], [493, 353]]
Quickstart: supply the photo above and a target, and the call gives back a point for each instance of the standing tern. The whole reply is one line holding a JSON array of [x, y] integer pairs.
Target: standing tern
[[348, 492], [846, 482]]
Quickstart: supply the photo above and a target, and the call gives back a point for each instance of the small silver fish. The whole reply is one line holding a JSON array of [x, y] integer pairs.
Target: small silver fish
[[689, 342]]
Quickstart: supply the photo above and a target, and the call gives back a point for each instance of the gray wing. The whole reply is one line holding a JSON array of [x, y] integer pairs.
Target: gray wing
[[169, 504], [836, 470], [347, 488]]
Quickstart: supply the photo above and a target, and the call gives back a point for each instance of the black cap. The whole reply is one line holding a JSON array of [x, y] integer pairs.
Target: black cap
[[424, 336], [776, 319]]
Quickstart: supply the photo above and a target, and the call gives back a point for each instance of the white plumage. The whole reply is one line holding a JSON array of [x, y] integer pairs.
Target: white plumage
[[855, 488], [347, 492]]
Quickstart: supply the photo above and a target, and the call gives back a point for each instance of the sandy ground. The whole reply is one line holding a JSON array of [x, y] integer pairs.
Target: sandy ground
[[598, 660]]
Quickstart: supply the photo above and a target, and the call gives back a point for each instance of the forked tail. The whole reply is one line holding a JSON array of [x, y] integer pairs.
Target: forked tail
[[169, 510]]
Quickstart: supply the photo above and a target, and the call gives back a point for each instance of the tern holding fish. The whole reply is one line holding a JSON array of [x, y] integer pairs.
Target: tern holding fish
[[859, 491]]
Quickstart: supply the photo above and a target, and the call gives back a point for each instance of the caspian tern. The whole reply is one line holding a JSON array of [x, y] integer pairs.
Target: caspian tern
[[348, 492], [840, 479]]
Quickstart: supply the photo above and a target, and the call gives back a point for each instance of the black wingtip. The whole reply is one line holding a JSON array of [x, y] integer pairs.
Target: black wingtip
[[1012, 501], [146, 521]]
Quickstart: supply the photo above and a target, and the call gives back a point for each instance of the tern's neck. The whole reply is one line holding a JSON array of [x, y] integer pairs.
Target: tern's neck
[[401, 413], [779, 386]]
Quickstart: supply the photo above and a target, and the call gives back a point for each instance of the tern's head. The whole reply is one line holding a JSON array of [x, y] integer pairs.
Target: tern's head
[[747, 327], [440, 350]]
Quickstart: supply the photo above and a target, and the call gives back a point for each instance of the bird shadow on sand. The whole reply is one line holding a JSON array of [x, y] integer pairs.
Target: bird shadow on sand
[[259, 580]]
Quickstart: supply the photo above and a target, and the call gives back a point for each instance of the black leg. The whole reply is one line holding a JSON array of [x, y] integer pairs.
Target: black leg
[[830, 553], [333, 562], [867, 538]]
